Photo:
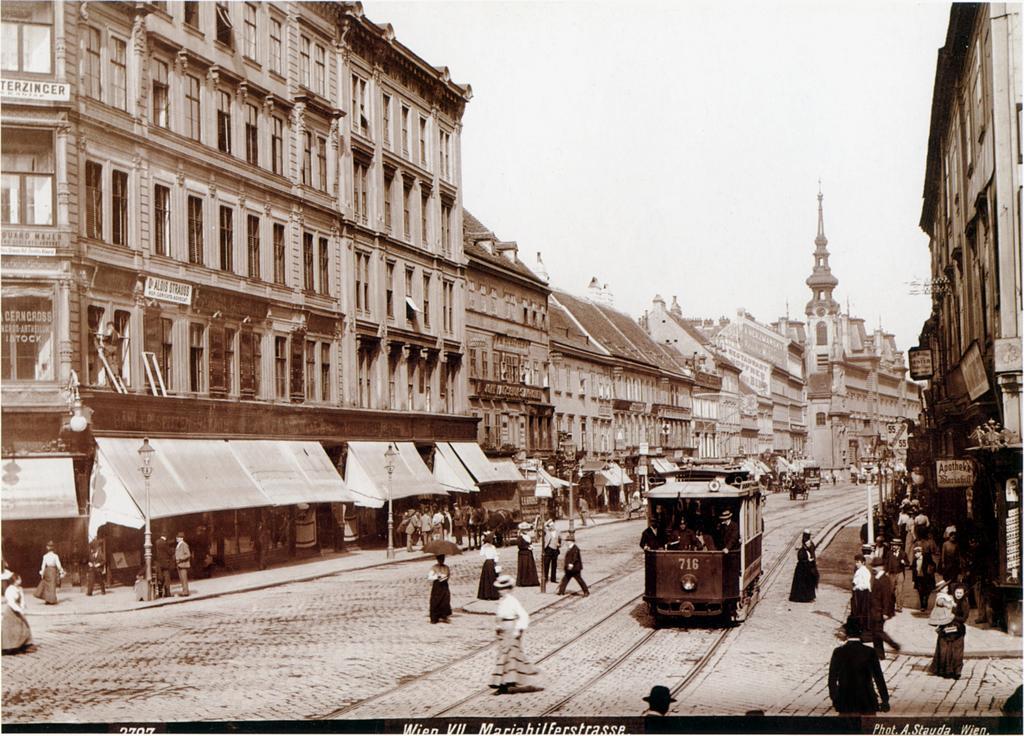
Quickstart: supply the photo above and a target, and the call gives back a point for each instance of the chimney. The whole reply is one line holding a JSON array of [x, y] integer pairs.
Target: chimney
[[541, 270], [659, 302], [509, 249], [676, 309], [723, 321], [594, 290], [606, 297]]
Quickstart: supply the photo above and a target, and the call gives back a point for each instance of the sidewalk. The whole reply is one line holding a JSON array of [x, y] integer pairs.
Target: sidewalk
[[74, 602]]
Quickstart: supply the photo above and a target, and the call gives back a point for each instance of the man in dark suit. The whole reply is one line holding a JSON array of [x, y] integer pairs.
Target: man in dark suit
[[573, 566], [163, 557], [728, 532], [850, 672], [649, 538], [97, 572], [881, 608]]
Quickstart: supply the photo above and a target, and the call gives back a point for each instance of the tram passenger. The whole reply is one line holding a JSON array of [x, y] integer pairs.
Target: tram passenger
[[728, 531], [683, 538], [650, 539]]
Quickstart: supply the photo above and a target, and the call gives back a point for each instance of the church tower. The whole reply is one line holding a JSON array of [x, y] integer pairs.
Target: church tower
[[821, 281]]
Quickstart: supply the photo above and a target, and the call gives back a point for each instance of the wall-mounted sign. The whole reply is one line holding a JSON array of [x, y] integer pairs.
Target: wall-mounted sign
[[516, 391], [921, 368], [30, 242], [24, 89], [511, 344], [1007, 354], [667, 411], [954, 473], [637, 407], [166, 290], [973, 369]]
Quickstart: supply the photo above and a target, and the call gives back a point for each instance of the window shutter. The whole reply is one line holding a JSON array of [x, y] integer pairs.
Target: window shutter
[[247, 364], [218, 379], [151, 332], [298, 361]]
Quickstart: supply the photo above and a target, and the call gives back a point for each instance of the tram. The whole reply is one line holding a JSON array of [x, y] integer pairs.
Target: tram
[[710, 565]]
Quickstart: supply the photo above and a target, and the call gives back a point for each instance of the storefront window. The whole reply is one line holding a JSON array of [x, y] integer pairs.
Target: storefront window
[[27, 37], [28, 336], [28, 172]]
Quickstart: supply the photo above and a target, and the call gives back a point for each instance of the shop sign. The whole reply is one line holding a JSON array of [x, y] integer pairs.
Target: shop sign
[[511, 344], [166, 290], [637, 407], [1012, 531], [24, 89], [973, 369], [516, 391], [668, 411], [920, 363], [708, 380], [29, 242], [605, 411], [954, 473], [645, 448]]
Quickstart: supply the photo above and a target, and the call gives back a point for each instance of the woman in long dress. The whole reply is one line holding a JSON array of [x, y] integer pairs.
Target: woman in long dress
[[489, 571], [51, 571], [951, 629], [526, 569], [440, 595], [805, 576], [16, 632], [923, 573], [511, 668]]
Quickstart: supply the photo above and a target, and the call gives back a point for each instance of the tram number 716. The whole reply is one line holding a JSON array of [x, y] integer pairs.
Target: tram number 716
[[689, 564]]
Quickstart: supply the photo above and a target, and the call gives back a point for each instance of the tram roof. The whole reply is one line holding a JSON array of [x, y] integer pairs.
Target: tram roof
[[702, 489]]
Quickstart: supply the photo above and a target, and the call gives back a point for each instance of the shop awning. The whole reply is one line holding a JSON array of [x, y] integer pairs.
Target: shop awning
[[661, 465], [290, 472], [450, 472], [109, 500], [38, 488], [551, 480], [614, 475], [506, 470], [189, 476], [477, 463], [367, 478]]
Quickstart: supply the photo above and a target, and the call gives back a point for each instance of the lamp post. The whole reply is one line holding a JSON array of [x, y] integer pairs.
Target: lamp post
[[389, 465], [146, 455]]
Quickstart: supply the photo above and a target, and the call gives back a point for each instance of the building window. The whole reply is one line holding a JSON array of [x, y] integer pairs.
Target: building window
[[119, 207], [446, 152], [196, 363], [386, 110], [227, 239], [192, 14], [166, 356], [279, 256], [423, 141], [224, 30], [28, 172], [390, 291], [446, 229], [307, 261], [325, 266], [321, 163], [118, 73], [195, 230], [325, 372], [362, 282], [406, 214], [256, 367], [93, 199], [448, 307], [359, 186], [252, 226], [388, 183], [819, 419], [360, 115], [27, 44], [161, 99], [821, 334], [424, 209], [277, 146], [405, 131], [28, 336], [223, 121], [426, 300], [307, 159], [319, 70], [91, 63], [408, 283], [281, 367], [304, 61], [193, 110], [275, 46], [311, 350], [252, 135], [229, 360], [250, 30], [161, 219]]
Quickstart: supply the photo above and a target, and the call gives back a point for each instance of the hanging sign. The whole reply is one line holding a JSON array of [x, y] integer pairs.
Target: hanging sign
[[921, 368], [954, 473]]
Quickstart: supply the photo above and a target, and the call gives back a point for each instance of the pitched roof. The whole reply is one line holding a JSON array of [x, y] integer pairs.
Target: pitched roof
[[562, 329], [473, 230]]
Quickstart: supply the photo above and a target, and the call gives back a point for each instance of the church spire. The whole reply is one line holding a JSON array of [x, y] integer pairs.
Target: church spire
[[821, 281], [821, 241]]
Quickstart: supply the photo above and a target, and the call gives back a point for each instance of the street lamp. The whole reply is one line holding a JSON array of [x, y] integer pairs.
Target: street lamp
[[146, 455], [389, 465]]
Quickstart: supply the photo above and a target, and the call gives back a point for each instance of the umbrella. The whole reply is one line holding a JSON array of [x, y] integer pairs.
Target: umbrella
[[442, 547]]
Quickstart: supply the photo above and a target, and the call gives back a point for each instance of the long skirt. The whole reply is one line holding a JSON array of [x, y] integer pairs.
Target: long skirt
[[511, 668], [486, 590], [805, 582], [860, 608], [440, 601], [949, 656], [47, 588], [526, 570], [16, 631]]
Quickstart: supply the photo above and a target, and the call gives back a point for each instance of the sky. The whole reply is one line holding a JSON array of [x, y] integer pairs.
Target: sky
[[676, 148]]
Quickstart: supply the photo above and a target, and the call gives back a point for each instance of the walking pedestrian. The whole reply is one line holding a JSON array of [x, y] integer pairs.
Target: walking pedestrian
[[440, 595], [17, 634], [573, 566], [437, 524], [447, 526], [183, 561], [262, 545], [471, 528], [50, 572], [805, 575], [881, 608], [584, 510], [635, 505], [949, 617], [459, 521], [412, 528], [552, 548], [860, 605], [97, 568], [526, 568], [489, 570], [426, 526], [511, 668], [659, 701], [923, 573], [949, 557], [851, 671], [895, 573], [163, 558]]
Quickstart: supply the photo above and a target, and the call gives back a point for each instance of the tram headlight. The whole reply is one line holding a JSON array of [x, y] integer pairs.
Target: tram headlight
[[689, 583]]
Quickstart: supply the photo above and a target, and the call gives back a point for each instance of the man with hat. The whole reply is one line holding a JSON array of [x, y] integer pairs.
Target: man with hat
[[183, 561], [573, 565], [96, 572], [659, 701], [552, 548], [728, 532], [850, 673], [163, 559], [880, 608]]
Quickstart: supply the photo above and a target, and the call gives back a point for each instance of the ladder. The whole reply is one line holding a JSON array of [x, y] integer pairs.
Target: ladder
[[115, 379], [153, 375]]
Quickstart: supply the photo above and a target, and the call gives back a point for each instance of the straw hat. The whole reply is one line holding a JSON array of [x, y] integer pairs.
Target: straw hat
[[525, 526], [504, 581], [725, 515]]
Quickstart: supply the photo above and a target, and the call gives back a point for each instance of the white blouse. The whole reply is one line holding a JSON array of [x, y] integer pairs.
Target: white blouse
[[489, 552], [510, 608], [15, 599], [51, 559]]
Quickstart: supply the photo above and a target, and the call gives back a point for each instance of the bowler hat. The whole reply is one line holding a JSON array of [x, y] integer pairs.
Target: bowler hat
[[504, 581], [660, 695], [852, 627]]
